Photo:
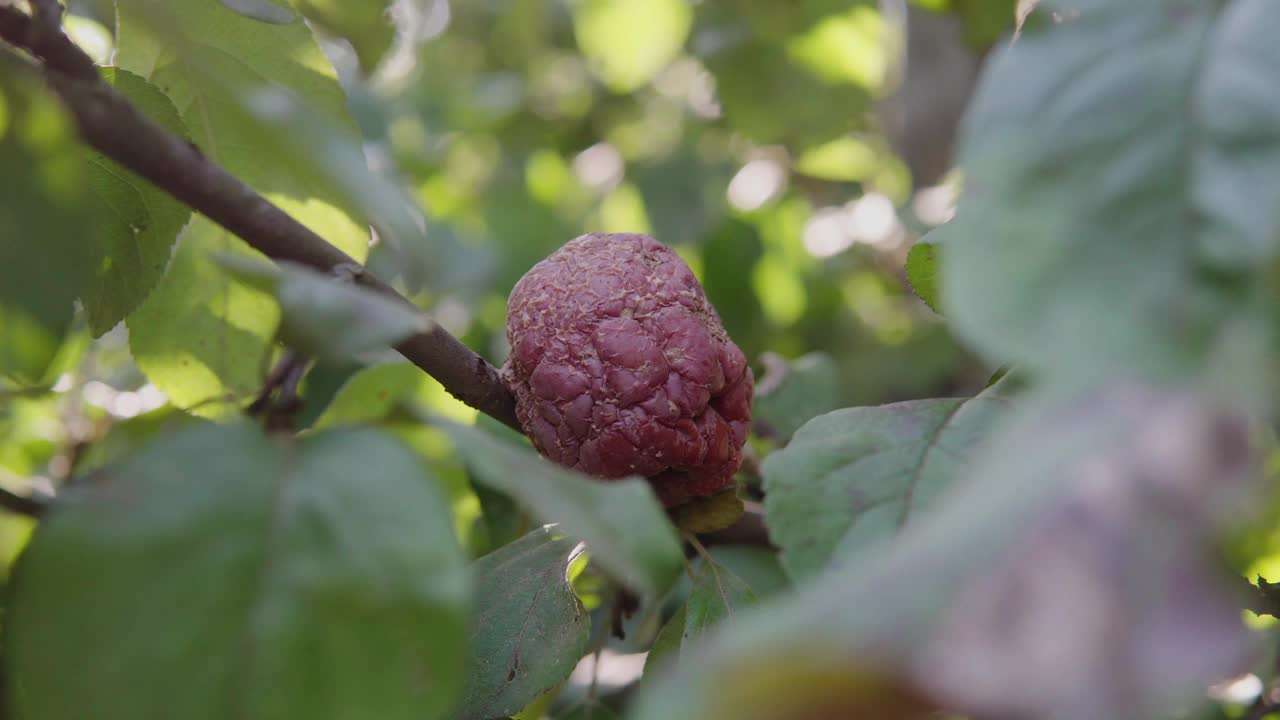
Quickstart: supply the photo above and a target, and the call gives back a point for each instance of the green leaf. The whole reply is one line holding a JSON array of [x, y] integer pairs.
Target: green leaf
[[372, 393], [140, 222], [326, 318], [238, 73], [366, 25], [1075, 520], [529, 629], [922, 271], [758, 567], [801, 390], [200, 336], [1140, 226], [854, 477], [626, 42], [49, 245], [269, 91], [624, 527], [715, 596], [239, 575]]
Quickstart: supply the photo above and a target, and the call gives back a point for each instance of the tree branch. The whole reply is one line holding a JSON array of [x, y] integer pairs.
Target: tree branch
[[110, 124], [22, 504]]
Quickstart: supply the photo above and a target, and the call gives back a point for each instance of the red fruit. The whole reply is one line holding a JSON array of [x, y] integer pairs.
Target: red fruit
[[620, 366]]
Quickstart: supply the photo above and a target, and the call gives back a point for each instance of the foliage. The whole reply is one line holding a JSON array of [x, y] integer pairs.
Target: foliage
[[247, 506]]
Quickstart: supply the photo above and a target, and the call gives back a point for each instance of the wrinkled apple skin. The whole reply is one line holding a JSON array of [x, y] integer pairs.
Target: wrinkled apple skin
[[620, 366]]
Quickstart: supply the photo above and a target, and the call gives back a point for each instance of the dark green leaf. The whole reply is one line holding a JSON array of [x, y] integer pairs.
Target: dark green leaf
[[140, 222], [715, 596], [802, 390], [621, 522], [758, 567], [529, 629], [854, 477], [239, 575], [49, 244], [922, 271]]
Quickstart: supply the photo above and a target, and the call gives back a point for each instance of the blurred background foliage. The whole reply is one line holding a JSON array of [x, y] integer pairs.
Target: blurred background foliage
[[791, 152]]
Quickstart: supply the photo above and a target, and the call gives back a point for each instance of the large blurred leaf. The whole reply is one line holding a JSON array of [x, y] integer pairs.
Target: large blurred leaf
[[1069, 576], [621, 522], [854, 477], [529, 628], [238, 575], [326, 318], [1136, 225], [49, 241], [140, 222], [628, 41]]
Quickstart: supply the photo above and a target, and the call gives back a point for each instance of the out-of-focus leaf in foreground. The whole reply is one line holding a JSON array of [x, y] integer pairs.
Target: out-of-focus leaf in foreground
[[1068, 577]]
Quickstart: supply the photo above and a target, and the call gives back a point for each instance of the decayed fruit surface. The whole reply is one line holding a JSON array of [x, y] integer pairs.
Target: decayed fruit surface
[[620, 366]]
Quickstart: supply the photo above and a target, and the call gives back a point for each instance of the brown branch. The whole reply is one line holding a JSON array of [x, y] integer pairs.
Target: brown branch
[[28, 505], [110, 124]]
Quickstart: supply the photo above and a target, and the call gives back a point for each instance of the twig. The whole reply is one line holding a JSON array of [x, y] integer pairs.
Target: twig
[[111, 125], [28, 505], [1263, 598], [278, 401]]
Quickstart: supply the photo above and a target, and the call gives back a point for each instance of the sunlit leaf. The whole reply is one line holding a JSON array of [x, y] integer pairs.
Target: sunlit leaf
[[140, 222], [201, 336], [235, 574], [529, 629], [922, 271], [628, 41]]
